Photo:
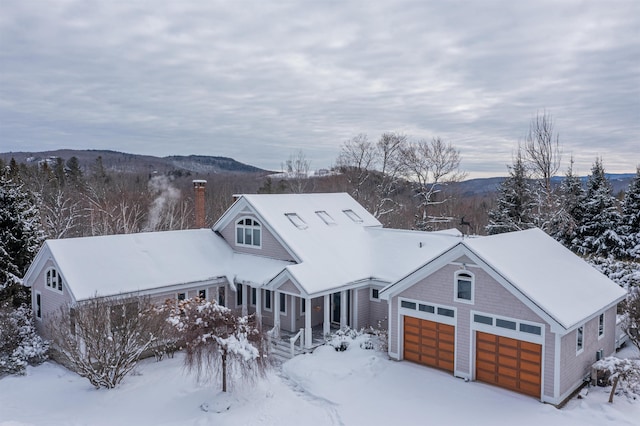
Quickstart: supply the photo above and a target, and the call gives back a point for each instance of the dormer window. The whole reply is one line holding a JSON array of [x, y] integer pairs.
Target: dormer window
[[296, 220], [353, 216], [326, 218], [248, 233], [53, 280]]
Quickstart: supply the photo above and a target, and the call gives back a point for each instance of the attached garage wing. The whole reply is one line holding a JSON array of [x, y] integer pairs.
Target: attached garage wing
[[429, 343], [509, 363]]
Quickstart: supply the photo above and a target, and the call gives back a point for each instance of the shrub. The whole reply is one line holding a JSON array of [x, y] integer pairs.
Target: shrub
[[19, 343]]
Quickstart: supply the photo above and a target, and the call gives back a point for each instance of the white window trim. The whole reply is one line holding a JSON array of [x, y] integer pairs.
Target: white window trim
[[206, 293], [604, 325], [39, 318], [283, 305], [507, 332], [59, 283], [252, 227], [270, 297], [435, 317], [455, 286], [373, 299], [580, 349]]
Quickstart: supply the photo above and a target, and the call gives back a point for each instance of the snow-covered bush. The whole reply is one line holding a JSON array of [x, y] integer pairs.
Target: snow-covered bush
[[103, 339], [19, 343], [218, 342], [369, 338], [624, 375]]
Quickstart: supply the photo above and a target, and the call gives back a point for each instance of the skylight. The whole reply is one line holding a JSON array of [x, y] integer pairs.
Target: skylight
[[326, 217], [353, 216], [296, 220]]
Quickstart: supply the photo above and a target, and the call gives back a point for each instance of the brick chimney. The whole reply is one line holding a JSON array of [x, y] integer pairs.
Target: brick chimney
[[199, 188]]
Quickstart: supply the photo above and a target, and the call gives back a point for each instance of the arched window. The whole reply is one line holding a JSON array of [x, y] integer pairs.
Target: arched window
[[53, 280], [464, 286], [248, 233]]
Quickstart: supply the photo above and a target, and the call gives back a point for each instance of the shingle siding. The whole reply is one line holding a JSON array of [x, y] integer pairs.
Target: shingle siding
[[270, 245], [489, 297], [574, 367], [50, 300]]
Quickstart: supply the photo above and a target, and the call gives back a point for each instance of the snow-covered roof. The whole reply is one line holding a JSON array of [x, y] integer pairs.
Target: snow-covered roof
[[339, 243], [117, 264], [548, 274]]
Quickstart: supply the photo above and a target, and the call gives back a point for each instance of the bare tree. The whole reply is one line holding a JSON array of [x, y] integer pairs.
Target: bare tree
[[62, 214], [357, 159], [297, 169], [220, 343], [430, 165], [542, 155], [102, 339]]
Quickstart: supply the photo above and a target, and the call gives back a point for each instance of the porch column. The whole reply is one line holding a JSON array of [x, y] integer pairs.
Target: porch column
[[276, 311], [326, 325], [245, 289], [259, 306], [308, 336], [343, 309]]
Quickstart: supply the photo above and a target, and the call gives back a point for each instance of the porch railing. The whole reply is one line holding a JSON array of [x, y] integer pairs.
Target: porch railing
[[292, 342]]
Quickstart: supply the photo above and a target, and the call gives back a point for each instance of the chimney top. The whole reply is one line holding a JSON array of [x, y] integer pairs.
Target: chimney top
[[199, 187]]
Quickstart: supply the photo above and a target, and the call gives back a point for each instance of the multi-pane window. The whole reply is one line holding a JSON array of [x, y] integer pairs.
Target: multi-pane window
[[464, 286], [601, 325], [580, 339], [239, 295], [38, 305], [267, 300], [248, 232], [53, 280]]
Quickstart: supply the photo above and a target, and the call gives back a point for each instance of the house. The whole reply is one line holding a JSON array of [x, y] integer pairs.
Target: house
[[516, 310]]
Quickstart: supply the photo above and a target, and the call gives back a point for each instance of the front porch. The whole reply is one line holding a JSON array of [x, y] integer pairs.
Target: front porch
[[288, 314]]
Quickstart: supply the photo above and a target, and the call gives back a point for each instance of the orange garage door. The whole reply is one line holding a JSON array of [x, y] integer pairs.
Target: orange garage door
[[509, 363], [429, 343]]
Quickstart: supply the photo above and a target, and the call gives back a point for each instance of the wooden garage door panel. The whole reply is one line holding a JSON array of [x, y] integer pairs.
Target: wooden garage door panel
[[429, 343], [509, 363]]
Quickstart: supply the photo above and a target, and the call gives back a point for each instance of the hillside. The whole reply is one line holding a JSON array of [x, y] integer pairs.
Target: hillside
[[120, 162]]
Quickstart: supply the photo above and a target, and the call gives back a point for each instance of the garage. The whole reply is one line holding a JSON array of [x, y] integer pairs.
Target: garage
[[429, 343], [509, 363]]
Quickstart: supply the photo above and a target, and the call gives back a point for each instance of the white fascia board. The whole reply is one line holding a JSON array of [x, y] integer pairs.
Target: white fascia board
[[38, 262], [365, 282], [555, 325], [236, 208], [163, 289], [593, 315], [422, 272]]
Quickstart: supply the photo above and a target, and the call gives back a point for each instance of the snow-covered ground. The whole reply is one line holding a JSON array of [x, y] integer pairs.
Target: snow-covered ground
[[356, 387]]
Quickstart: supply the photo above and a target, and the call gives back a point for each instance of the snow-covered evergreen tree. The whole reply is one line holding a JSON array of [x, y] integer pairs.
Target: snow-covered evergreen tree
[[20, 235], [515, 203], [597, 234], [571, 196], [630, 224]]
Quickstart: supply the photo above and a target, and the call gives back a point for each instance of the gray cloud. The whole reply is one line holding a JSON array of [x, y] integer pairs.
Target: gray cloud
[[259, 80]]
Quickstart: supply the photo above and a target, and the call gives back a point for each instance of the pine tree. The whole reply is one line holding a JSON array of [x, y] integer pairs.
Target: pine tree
[[20, 236], [597, 233], [571, 196], [514, 209], [630, 223]]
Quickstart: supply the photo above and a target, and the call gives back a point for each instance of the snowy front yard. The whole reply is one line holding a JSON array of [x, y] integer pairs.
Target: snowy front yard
[[356, 387]]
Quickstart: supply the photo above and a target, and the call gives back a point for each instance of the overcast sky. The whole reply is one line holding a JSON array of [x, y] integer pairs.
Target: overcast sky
[[258, 81]]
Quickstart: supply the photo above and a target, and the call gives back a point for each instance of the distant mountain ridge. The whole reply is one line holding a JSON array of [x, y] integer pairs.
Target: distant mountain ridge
[[120, 162]]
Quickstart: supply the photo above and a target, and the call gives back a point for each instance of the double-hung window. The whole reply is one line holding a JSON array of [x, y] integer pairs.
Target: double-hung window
[[464, 287]]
